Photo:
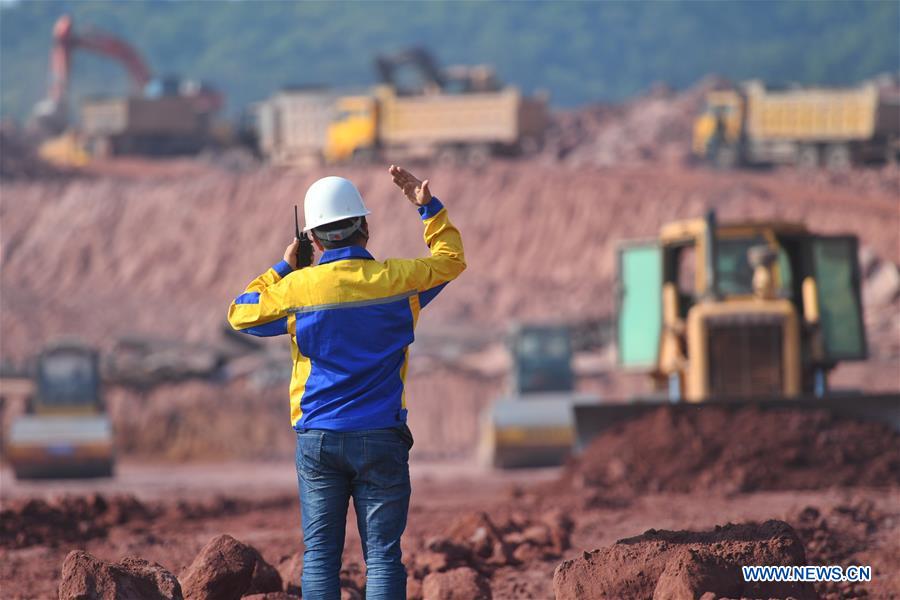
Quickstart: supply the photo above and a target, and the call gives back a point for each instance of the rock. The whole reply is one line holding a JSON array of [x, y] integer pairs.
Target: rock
[[271, 596], [478, 532], [223, 570], [85, 577], [561, 526], [525, 553], [693, 571], [413, 588], [353, 577], [686, 564], [265, 577], [441, 554], [290, 568], [463, 583]]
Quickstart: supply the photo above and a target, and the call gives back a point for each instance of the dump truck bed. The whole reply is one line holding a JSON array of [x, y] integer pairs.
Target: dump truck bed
[[503, 117], [168, 115], [814, 115]]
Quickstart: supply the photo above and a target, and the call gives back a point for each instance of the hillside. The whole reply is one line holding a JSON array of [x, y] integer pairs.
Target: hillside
[[109, 255], [580, 52]]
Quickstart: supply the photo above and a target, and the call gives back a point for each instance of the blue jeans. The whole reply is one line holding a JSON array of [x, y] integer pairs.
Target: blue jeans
[[372, 467]]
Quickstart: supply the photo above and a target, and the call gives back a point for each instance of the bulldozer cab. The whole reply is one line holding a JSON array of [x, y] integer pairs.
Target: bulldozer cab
[[739, 310], [67, 381], [542, 357]]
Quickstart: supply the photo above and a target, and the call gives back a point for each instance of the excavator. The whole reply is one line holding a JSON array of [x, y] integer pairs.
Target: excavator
[[161, 113], [65, 431], [749, 313]]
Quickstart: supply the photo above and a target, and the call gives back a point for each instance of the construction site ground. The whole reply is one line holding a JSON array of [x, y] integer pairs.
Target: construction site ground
[[156, 250], [270, 519]]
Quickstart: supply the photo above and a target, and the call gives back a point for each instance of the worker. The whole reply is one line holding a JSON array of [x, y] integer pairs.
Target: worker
[[351, 319]]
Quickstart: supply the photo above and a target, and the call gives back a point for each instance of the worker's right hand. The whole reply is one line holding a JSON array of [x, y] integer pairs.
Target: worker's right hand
[[290, 253], [416, 190]]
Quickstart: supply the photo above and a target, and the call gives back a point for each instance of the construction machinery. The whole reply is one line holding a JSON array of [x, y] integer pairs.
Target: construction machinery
[[161, 115], [64, 431], [750, 125], [747, 313], [458, 115], [293, 124], [533, 425]]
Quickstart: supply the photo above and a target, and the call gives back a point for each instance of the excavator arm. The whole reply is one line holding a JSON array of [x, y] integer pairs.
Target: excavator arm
[[66, 41]]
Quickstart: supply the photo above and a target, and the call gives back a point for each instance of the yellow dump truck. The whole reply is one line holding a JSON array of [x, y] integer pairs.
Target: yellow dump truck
[[452, 127], [749, 313], [837, 128], [65, 431]]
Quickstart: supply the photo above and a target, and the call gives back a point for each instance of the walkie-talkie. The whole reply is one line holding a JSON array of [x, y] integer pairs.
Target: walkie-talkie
[[305, 248]]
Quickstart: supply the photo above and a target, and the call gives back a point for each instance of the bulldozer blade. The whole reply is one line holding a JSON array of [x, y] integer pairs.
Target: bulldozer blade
[[592, 419]]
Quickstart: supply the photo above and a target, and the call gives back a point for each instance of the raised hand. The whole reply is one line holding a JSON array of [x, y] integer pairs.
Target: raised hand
[[416, 191]]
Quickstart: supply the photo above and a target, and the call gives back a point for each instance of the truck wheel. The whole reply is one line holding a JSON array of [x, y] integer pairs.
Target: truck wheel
[[837, 157], [808, 156]]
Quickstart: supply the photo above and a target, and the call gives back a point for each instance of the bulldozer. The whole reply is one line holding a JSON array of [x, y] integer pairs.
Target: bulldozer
[[747, 313], [65, 431], [532, 426]]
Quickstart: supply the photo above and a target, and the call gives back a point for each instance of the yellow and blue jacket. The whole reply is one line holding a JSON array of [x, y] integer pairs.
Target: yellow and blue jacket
[[351, 320]]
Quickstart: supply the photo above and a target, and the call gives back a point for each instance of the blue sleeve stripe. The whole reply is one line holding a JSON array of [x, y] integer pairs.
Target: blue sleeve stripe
[[282, 268], [430, 209], [277, 327], [247, 298], [428, 295]]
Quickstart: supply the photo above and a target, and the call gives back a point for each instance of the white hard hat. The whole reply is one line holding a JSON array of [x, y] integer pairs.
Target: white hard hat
[[332, 199]]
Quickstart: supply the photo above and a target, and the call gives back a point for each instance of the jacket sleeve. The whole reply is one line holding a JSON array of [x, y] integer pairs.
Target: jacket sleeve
[[429, 275], [262, 309]]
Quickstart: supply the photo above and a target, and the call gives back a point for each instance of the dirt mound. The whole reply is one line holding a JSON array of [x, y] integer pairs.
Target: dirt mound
[[686, 564], [72, 519], [118, 254], [84, 576], [67, 519], [742, 450], [842, 535], [655, 127]]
